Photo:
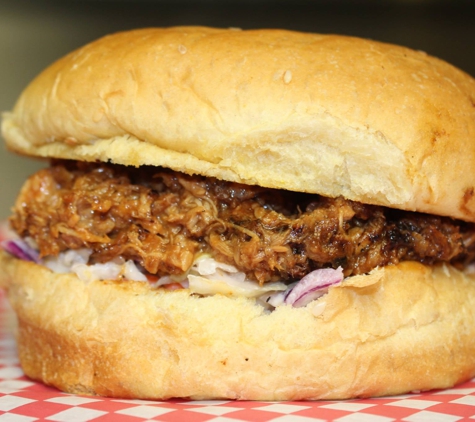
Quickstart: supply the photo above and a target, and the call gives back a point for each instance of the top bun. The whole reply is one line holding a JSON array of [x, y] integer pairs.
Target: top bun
[[325, 114]]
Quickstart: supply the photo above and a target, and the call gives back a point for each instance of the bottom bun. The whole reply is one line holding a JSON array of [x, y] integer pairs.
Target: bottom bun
[[402, 328]]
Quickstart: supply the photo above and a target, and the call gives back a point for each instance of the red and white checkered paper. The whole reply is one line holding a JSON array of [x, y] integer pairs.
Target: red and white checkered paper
[[23, 400]]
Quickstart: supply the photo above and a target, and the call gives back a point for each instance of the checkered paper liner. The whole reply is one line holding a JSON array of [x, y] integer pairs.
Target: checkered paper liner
[[23, 400]]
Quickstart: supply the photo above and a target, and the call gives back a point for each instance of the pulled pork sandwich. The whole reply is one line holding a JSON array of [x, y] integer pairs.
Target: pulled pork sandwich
[[259, 215]]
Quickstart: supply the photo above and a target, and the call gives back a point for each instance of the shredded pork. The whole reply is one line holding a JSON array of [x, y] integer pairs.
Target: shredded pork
[[163, 219]]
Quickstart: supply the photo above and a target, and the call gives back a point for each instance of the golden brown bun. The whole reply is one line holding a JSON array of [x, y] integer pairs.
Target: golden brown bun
[[331, 115], [402, 328]]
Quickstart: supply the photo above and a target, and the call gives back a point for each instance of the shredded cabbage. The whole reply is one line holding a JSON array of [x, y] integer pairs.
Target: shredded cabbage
[[206, 277], [20, 249], [313, 285], [76, 261], [308, 289]]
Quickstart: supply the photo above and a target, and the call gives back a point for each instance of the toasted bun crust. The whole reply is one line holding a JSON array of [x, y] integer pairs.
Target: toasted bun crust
[[331, 115], [401, 328]]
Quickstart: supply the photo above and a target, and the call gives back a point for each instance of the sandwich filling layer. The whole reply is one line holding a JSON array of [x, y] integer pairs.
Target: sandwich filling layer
[[164, 221]]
